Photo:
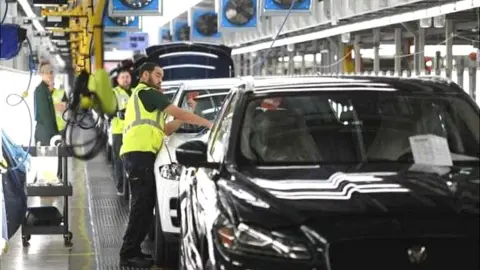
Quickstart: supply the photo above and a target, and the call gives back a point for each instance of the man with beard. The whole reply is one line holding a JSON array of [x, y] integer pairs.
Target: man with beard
[[143, 135]]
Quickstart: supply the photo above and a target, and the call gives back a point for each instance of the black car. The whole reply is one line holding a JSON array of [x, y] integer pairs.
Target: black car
[[330, 173]]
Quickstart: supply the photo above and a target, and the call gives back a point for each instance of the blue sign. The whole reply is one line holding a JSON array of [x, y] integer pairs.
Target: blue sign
[[114, 35], [128, 41], [135, 8], [120, 24], [204, 25]]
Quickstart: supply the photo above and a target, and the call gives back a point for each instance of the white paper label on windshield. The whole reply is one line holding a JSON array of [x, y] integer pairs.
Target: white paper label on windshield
[[430, 150]]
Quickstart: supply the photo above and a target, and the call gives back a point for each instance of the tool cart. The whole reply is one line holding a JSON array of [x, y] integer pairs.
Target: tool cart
[[47, 220]]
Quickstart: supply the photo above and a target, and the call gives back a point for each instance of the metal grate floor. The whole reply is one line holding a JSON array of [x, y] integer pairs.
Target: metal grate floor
[[109, 214]]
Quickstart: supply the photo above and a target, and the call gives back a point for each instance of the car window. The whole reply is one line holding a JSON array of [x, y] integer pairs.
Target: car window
[[219, 140], [204, 103], [355, 126]]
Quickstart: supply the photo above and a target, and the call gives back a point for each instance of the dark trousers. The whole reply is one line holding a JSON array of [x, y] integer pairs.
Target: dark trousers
[[139, 168], [117, 161]]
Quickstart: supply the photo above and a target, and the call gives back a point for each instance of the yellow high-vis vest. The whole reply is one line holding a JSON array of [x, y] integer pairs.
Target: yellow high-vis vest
[[117, 124], [144, 131], [57, 96]]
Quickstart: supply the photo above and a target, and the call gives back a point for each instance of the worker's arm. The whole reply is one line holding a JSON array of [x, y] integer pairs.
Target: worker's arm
[[153, 100], [187, 117], [172, 126]]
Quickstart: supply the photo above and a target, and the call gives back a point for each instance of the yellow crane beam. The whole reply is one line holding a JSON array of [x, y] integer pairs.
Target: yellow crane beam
[[86, 29]]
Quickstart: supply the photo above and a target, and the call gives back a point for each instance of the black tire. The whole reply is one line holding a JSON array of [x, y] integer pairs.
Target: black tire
[[151, 232], [164, 255]]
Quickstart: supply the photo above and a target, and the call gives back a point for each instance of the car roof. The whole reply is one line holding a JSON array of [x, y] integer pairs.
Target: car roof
[[427, 84]]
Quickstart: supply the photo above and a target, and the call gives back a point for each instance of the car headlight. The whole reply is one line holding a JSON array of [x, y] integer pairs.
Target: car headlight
[[171, 171], [247, 239]]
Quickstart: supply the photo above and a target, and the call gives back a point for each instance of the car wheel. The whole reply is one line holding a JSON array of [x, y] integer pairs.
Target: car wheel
[[165, 255]]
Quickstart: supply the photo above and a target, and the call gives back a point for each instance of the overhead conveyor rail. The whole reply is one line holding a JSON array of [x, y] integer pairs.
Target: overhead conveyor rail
[[394, 14]]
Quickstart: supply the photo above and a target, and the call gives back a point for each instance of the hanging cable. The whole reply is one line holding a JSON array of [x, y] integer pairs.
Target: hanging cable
[[265, 55], [5, 12], [22, 97], [78, 120]]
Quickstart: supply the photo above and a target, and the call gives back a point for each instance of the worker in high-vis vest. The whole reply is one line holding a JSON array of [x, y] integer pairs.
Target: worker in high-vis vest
[[122, 92], [59, 100], [143, 135]]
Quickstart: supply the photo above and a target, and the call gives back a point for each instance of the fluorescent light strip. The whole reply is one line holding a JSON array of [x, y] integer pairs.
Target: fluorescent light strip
[[377, 23], [189, 66], [188, 54]]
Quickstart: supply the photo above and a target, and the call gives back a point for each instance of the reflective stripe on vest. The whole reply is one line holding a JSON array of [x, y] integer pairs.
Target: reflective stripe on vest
[[57, 96], [117, 124], [138, 118], [143, 130]]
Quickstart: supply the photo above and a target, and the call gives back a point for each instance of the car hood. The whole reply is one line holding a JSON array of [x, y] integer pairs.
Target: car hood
[[343, 205]]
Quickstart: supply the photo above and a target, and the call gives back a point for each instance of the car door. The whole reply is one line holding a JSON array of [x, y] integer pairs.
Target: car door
[[204, 197]]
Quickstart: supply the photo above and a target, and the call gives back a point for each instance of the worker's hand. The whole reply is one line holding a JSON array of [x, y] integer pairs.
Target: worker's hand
[[210, 126], [60, 107]]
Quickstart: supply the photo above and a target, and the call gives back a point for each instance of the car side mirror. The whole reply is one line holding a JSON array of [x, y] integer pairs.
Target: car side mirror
[[194, 154]]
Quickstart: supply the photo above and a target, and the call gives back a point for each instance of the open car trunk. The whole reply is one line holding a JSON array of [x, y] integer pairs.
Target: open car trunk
[[187, 61]]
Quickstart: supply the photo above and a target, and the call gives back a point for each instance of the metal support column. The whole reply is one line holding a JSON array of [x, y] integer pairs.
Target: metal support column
[[460, 70], [339, 61], [398, 51], [358, 56], [255, 65], [274, 59], [376, 51], [316, 51], [449, 48], [245, 64], [291, 62], [421, 49], [302, 66]]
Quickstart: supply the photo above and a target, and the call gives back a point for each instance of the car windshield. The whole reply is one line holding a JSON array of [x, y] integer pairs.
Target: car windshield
[[205, 103], [355, 126]]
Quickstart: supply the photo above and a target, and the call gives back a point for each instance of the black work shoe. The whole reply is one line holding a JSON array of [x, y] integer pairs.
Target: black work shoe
[[146, 256], [136, 262]]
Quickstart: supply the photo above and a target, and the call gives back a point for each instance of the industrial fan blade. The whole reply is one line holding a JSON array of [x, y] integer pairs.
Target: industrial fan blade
[[239, 12], [136, 4], [206, 24], [183, 33]]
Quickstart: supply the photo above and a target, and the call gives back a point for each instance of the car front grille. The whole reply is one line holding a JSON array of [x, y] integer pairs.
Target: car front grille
[[438, 253]]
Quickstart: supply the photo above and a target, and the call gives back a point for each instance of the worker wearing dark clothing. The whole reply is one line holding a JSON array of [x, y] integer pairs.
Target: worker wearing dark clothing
[[122, 93], [143, 136], [46, 126]]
